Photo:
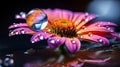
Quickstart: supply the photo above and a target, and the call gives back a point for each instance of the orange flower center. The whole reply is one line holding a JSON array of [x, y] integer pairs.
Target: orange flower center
[[63, 28]]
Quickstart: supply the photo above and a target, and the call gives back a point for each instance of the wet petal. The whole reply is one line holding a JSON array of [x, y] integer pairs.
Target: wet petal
[[94, 38], [117, 36], [102, 24], [21, 31], [55, 41], [87, 18], [94, 29], [73, 44], [77, 18], [41, 35], [18, 25]]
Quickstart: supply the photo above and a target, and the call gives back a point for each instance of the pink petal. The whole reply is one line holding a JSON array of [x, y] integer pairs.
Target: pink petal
[[55, 41], [77, 17], [87, 18], [102, 24], [21, 31], [51, 16], [117, 36], [41, 35], [18, 25], [73, 44], [94, 29], [94, 38]]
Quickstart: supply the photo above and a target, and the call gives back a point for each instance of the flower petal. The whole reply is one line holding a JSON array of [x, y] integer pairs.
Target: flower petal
[[55, 41], [21, 31], [102, 24], [117, 36], [73, 44], [41, 35], [18, 25], [94, 29], [94, 38], [87, 18]]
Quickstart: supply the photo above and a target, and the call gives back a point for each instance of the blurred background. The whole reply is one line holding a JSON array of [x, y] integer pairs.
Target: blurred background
[[106, 10]]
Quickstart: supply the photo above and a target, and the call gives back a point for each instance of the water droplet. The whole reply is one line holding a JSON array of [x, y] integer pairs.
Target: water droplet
[[15, 25], [41, 37], [17, 16], [58, 40], [11, 33], [52, 41], [22, 31], [16, 33], [40, 20], [86, 20], [35, 40], [23, 15], [32, 41], [8, 61], [86, 14], [73, 42], [81, 36], [90, 34], [100, 40]]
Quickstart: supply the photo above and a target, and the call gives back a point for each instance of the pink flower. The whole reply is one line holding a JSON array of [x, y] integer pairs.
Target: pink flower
[[66, 28]]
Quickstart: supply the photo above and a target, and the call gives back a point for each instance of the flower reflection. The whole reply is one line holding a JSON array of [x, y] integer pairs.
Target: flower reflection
[[64, 30]]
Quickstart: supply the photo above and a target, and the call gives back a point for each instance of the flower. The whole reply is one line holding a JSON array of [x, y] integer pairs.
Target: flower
[[65, 28]]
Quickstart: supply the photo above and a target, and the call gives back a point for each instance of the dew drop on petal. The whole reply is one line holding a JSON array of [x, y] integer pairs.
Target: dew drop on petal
[[22, 31], [16, 33], [100, 40], [52, 41], [73, 42], [37, 20], [41, 37], [17, 16], [90, 34], [86, 20]]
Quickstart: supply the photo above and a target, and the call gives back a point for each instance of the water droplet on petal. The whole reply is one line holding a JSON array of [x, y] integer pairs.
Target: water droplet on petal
[[11, 33], [22, 31], [16, 33], [90, 34], [100, 40], [73, 42], [86, 20], [41, 37], [86, 14], [81, 36], [17, 16], [58, 40], [52, 41], [33, 42]]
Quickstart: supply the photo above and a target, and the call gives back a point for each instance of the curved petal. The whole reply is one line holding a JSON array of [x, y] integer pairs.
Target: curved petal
[[18, 25], [117, 36], [94, 29], [77, 18], [55, 41], [73, 44], [94, 38], [102, 24], [87, 18], [41, 35], [21, 30]]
